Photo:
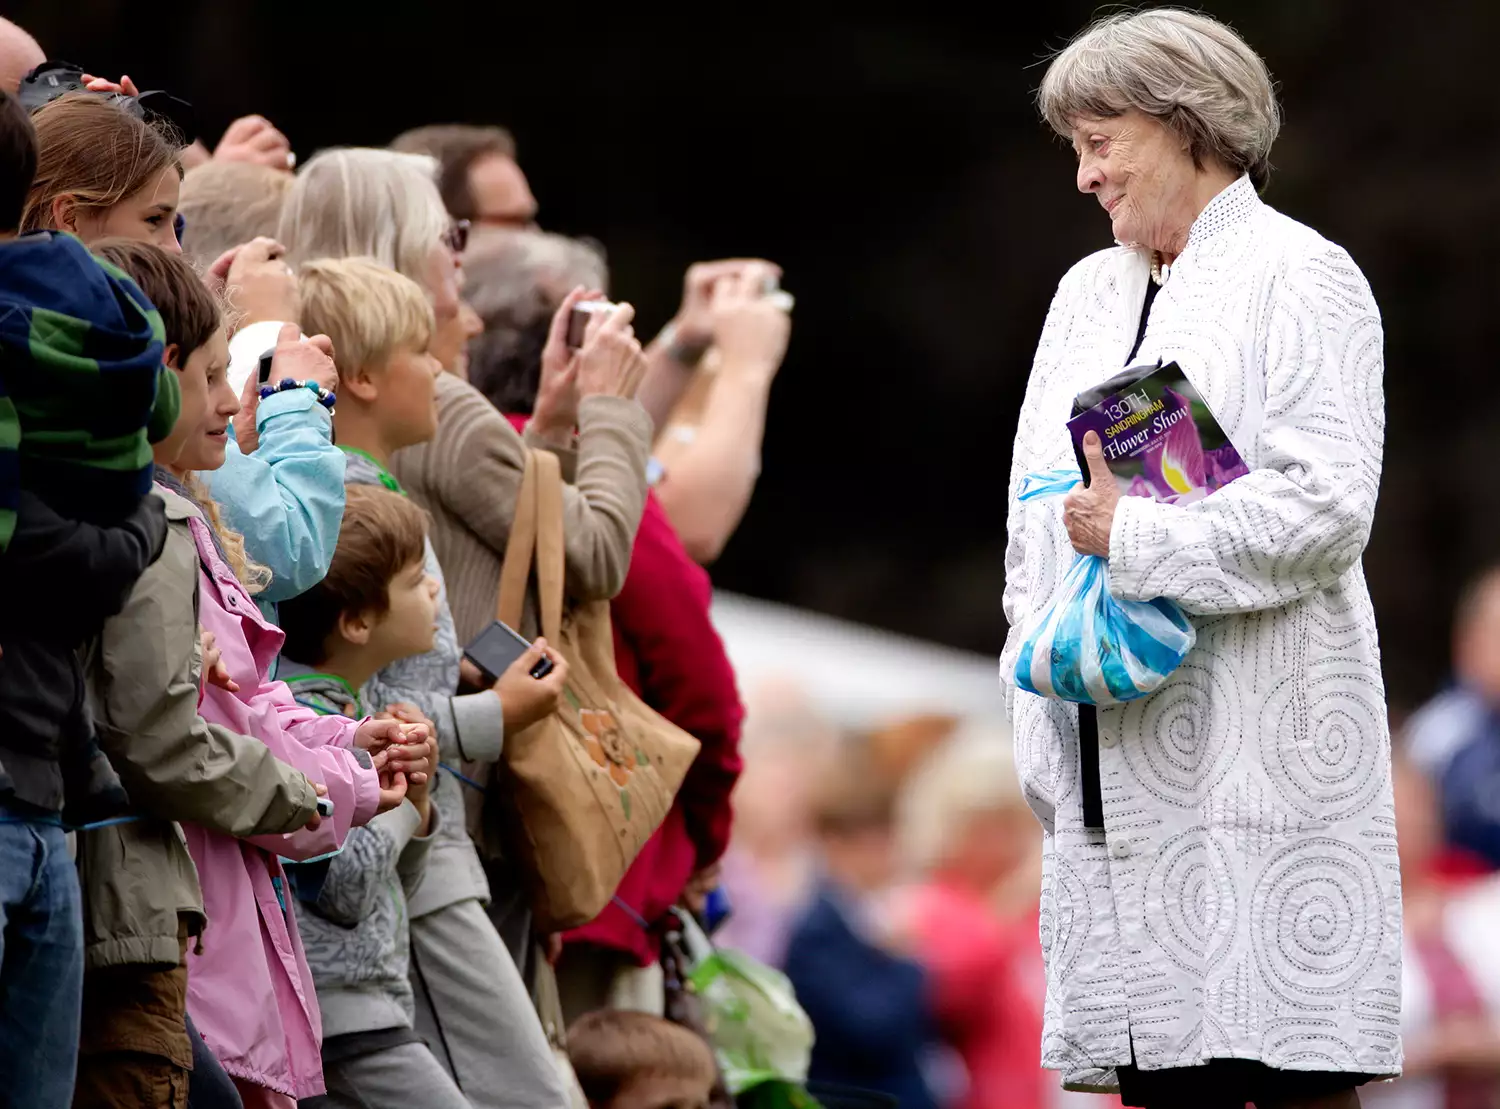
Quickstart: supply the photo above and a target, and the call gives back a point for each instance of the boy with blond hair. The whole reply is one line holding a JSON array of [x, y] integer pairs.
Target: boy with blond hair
[[471, 1001]]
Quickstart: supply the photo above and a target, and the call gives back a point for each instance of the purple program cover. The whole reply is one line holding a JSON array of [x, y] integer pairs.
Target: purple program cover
[[1160, 439]]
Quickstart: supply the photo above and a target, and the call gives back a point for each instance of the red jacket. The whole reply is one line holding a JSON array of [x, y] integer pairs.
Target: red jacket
[[989, 985], [666, 649]]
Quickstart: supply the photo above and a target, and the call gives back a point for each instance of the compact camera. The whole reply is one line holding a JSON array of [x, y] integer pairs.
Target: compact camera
[[578, 319]]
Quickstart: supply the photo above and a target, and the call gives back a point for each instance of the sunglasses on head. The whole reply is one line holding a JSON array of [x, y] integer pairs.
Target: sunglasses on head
[[457, 236]]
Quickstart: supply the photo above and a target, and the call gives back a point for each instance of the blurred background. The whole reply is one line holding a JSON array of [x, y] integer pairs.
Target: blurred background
[[894, 166]]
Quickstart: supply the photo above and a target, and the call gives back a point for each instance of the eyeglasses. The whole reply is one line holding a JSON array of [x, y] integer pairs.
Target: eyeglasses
[[456, 238]]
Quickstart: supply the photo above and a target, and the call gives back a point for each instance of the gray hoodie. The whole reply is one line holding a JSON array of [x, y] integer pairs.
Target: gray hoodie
[[353, 911], [469, 726]]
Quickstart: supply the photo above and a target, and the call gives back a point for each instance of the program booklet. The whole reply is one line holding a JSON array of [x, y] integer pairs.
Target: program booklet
[[1159, 438]]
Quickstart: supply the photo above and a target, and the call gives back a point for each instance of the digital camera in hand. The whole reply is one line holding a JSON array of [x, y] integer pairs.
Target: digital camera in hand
[[578, 319], [496, 648]]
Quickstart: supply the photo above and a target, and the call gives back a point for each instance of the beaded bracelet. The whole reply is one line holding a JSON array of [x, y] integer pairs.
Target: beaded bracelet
[[326, 398]]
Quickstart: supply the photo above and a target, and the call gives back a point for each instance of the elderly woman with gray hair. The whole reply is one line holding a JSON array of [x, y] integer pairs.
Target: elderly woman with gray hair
[[1221, 908]]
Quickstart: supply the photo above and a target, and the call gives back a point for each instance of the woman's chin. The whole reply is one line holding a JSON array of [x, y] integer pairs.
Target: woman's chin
[[213, 454]]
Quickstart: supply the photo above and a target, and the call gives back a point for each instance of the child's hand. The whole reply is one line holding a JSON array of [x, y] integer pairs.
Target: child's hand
[[214, 670], [403, 747], [406, 713], [526, 699], [420, 793], [393, 785]]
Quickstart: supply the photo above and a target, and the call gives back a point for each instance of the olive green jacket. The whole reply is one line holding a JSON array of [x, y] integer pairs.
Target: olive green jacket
[[143, 677]]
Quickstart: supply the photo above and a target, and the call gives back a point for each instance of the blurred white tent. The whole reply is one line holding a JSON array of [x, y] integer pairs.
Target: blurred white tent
[[855, 675]]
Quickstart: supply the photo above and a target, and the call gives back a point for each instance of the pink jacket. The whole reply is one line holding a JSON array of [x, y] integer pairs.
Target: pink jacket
[[249, 989]]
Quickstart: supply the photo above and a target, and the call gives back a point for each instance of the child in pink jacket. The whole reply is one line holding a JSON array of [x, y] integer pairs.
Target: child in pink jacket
[[250, 992]]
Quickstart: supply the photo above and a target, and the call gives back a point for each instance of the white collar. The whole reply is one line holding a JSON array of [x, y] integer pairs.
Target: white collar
[[1234, 205]]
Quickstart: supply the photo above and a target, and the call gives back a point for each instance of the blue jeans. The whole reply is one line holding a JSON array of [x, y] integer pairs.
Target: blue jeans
[[41, 975]]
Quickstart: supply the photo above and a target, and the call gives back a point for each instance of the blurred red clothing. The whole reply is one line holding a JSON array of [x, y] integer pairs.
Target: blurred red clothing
[[667, 650], [989, 983]]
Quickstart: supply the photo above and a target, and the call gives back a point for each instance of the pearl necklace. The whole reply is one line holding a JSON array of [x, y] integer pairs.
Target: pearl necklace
[[1160, 270]]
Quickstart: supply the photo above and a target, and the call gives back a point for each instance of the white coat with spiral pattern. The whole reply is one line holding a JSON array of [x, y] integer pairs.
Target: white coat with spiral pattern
[[1244, 898]]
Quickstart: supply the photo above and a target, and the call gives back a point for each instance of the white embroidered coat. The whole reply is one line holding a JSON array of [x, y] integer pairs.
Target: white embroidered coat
[[1244, 899]]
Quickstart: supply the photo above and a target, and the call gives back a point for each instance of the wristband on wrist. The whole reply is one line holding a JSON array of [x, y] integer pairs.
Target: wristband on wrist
[[326, 398], [683, 352]]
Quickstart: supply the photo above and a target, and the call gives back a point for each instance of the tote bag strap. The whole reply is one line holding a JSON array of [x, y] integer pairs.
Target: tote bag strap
[[515, 571], [551, 556]]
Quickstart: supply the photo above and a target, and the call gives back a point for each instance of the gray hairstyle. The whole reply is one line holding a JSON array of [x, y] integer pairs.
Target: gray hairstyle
[[1191, 72], [515, 280], [361, 202], [505, 269]]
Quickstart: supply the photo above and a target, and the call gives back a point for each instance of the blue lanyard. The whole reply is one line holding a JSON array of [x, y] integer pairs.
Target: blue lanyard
[[462, 777], [55, 821]]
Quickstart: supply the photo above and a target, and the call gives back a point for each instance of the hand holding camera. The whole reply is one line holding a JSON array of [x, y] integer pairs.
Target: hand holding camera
[[610, 362], [525, 698], [302, 359], [751, 323], [555, 414], [694, 325], [259, 283]]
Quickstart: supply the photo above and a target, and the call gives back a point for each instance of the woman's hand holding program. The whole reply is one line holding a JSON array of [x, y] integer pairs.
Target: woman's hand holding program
[[1089, 512]]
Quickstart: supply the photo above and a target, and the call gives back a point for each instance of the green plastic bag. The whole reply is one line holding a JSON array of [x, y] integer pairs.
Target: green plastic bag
[[761, 1035]]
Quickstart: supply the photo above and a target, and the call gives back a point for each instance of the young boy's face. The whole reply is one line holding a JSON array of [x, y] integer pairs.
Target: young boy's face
[[408, 626], [408, 396], [200, 436]]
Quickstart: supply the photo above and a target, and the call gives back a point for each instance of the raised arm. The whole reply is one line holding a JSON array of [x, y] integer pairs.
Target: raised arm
[[477, 465], [287, 498], [710, 477]]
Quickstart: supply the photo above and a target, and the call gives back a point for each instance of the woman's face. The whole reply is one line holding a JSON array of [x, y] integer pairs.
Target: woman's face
[[1143, 176], [455, 322], [145, 215], [450, 341], [205, 427]]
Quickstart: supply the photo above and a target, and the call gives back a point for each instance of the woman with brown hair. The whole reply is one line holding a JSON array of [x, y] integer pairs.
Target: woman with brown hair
[[102, 172]]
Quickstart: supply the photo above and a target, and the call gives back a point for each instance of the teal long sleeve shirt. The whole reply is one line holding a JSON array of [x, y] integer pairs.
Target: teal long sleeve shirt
[[286, 499]]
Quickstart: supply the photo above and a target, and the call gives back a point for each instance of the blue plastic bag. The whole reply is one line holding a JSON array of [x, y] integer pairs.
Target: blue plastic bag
[[1092, 648]]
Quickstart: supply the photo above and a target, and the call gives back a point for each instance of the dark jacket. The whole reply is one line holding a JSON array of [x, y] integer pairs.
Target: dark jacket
[[871, 1010], [59, 581], [83, 392]]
